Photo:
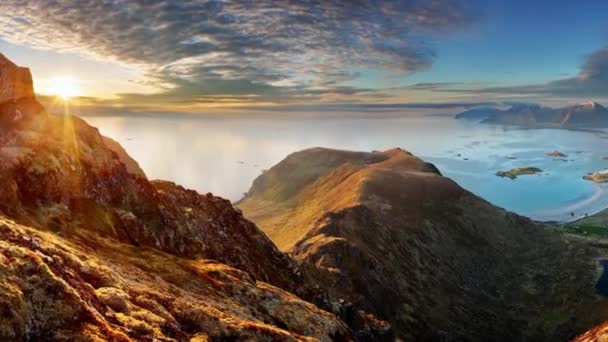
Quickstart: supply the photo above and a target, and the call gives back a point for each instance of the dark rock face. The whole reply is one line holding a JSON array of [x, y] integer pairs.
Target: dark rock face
[[439, 263]]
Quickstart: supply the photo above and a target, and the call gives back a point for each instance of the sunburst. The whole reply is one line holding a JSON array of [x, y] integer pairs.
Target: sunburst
[[65, 87]]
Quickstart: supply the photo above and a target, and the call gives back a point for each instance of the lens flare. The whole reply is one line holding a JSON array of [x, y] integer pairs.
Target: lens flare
[[65, 87]]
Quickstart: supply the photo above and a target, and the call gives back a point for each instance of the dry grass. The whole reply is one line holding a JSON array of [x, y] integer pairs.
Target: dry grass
[[90, 287]]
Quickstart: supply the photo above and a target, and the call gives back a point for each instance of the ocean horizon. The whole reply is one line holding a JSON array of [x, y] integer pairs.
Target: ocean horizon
[[225, 156]]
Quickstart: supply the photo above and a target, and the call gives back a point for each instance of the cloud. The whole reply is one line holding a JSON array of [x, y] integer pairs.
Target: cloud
[[269, 48], [596, 66], [590, 82], [432, 85], [376, 107]]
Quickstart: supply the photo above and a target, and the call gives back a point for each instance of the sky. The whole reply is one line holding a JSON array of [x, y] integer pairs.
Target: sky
[[200, 56]]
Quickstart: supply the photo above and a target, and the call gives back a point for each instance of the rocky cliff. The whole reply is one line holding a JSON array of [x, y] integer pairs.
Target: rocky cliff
[[15, 82], [92, 250], [388, 232]]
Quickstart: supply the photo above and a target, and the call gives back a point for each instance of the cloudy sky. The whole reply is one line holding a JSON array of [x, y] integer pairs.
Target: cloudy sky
[[203, 56]]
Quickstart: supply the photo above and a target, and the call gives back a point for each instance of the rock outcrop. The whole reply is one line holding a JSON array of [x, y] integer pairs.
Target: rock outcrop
[[597, 334], [88, 288], [131, 164], [389, 233], [90, 249], [15, 82]]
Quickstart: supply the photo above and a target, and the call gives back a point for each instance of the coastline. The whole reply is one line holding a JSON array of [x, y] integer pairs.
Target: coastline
[[593, 204]]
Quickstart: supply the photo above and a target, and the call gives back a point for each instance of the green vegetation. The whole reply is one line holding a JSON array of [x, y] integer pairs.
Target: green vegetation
[[587, 230], [518, 171]]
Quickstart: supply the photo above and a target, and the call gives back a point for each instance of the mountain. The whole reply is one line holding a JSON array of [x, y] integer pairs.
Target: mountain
[[524, 115], [90, 249], [589, 114], [477, 114], [391, 234]]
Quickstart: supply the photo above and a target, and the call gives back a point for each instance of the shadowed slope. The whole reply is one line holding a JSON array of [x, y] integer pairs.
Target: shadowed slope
[[393, 235]]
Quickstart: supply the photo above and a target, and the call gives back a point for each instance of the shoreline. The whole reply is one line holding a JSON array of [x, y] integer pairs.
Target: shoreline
[[593, 204]]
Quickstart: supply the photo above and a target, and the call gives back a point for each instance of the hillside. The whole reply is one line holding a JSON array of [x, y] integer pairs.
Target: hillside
[[415, 248], [589, 113], [526, 115], [91, 250]]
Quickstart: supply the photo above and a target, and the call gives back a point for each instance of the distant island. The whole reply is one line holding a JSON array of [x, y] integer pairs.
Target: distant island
[[598, 177], [519, 171], [589, 114], [557, 154]]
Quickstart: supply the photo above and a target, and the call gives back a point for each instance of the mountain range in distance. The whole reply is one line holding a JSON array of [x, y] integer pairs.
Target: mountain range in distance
[[583, 115]]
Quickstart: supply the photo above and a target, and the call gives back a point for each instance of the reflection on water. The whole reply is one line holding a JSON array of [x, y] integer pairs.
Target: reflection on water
[[223, 156]]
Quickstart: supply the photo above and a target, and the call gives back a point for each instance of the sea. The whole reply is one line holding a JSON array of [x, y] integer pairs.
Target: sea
[[224, 154]]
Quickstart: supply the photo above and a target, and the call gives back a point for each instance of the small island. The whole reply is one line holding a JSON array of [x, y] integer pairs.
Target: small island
[[556, 154], [597, 177], [519, 171]]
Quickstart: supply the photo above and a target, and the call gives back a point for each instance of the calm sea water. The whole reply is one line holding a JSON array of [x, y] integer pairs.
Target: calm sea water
[[223, 156]]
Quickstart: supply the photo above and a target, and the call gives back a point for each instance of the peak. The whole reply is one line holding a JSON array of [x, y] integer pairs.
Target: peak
[[587, 105], [15, 82], [397, 151], [591, 104]]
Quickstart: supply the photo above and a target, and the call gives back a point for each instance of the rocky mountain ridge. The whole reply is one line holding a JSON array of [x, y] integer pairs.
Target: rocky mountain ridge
[[414, 248]]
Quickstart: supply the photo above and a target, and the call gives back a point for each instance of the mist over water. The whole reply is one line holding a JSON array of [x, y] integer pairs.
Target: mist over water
[[223, 156]]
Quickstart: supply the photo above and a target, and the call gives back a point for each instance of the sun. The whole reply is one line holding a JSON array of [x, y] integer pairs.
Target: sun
[[65, 87]]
